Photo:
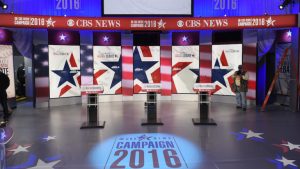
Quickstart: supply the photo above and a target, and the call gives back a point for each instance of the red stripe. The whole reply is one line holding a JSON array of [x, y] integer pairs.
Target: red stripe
[[250, 50], [205, 64], [205, 49], [64, 90], [72, 61], [250, 67], [127, 75], [127, 60], [79, 80], [146, 51], [205, 79], [42, 91]]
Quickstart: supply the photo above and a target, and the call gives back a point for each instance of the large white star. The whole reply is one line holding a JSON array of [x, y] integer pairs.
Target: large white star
[[251, 134], [42, 165], [50, 138], [20, 149], [50, 22], [184, 38], [62, 37], [105, 39], [287, 162], [292, 146]]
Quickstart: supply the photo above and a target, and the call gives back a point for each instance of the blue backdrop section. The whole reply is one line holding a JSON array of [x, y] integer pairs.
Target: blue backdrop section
[[93, 8]]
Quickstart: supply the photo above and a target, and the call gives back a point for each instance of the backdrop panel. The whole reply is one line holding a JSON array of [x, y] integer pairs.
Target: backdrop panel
[[185, 68], [225, 61], [108, 68], [64, 71], [146, 66], [7, 67]]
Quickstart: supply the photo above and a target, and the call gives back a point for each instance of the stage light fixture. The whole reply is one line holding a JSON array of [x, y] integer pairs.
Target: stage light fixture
[[284, 4], [3, 5]]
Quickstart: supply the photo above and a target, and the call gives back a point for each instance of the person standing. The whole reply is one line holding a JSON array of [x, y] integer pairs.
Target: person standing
[[4, 83], [240, 87]]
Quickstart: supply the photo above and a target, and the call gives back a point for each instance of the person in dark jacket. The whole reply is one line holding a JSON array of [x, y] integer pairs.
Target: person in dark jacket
[[4, 83], [240, 87]]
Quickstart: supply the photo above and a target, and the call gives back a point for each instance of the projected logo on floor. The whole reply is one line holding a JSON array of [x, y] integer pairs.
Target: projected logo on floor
[[146, 150]]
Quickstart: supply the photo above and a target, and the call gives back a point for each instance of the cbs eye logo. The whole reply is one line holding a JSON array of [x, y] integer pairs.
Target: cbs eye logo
[[71, 23], [180, 23]]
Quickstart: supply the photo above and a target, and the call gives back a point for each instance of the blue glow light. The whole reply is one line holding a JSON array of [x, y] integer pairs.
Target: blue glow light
[[169, 150]]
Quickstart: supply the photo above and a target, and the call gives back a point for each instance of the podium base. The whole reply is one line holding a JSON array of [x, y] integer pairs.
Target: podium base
[[89, 125], [198, 121], [146, 122]]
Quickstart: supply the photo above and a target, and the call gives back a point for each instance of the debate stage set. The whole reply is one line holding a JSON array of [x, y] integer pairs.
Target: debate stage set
[[149, 84]]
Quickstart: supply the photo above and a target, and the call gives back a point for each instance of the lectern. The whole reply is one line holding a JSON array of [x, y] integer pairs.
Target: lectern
[[204, 100], [151, 105], [92, 115]]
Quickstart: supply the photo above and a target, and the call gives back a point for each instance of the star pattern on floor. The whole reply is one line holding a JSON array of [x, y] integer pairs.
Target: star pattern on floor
[[48, 138], [19, 149], [282, 162], [248, 134], [42, 165], [287, 146]]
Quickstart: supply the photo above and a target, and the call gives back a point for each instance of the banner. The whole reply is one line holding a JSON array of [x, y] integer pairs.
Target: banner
[[108, 68], [185, 68], [146, 66], [7, 67], [64, 71], [149, 24], [225, 61]]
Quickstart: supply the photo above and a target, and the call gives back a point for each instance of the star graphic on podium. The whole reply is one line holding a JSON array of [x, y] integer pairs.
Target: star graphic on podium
[[140, 67], [116, 67], [65, 75]]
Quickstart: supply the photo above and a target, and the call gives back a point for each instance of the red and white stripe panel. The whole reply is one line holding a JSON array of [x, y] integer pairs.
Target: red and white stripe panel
[[205, 63], [127, 70], [249, 62], [166, 70]]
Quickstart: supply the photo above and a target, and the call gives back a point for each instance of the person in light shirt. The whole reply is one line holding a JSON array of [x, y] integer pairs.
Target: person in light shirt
[[240, 87]]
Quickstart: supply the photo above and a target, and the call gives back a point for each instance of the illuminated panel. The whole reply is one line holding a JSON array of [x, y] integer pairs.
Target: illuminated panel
[[146, 150]]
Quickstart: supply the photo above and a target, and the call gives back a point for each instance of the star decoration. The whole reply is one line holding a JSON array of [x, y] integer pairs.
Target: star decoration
[[50, 22], [62, 37], [19, 149], [286, 146], [292, 146], [105, 39], [65, 75], [282, 162], [161, 24], [289, 33], [144, 137], [184, 38], [219, 74], [140, 67], [41, 164], [251, 134], [286, 162], [270, 21], [49, 138], [116, 67], [248, 134]]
